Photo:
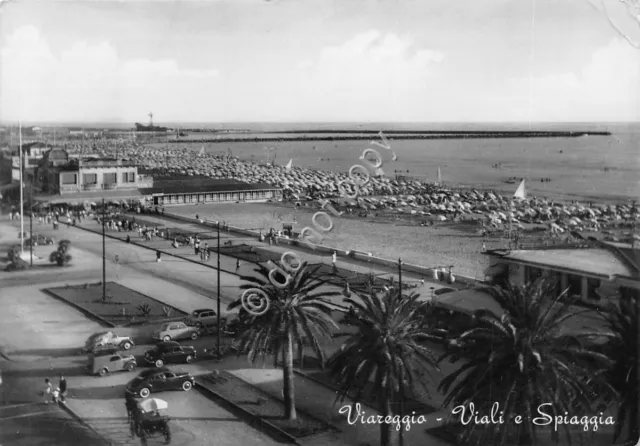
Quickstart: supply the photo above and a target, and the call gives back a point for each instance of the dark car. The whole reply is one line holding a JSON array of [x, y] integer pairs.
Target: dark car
[[159, 380], [170, 352]]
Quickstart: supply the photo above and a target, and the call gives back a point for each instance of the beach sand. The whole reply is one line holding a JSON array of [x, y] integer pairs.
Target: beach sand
[[441, 245]]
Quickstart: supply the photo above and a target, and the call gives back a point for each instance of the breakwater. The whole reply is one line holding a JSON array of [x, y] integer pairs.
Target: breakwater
[[366, 136]]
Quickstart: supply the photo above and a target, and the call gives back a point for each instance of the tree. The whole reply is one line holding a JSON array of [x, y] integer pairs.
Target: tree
[[298, 313], [387, 347], [523, 359], [623, 376], [61, 255]]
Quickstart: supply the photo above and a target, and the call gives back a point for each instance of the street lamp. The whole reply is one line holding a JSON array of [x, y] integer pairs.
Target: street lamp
[[219, 319], [104, 257]]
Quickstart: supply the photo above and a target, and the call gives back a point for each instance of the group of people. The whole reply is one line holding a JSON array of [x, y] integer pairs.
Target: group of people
[[55, 394]]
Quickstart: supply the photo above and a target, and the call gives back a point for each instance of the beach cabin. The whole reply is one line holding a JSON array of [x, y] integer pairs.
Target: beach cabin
[[209, 191], [594, 271]]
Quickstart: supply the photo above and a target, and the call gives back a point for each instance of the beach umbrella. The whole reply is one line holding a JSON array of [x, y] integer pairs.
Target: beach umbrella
[[153, 404]]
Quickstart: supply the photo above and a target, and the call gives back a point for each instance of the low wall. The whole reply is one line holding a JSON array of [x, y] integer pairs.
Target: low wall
[[427, 272]]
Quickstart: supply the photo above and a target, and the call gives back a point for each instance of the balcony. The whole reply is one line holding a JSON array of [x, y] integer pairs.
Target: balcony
[[110, 186], [90, 187]]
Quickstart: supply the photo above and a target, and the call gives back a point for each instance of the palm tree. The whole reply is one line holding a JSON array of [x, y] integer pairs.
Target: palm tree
[[386, 347], [521, 360], [300, 313], [623, 376]]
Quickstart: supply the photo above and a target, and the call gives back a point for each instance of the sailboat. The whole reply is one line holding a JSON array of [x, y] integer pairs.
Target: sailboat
[[201, 152], [439, 176], [521, 192], [289, 164]]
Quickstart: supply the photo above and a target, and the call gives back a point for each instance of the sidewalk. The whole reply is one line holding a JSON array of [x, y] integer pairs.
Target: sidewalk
[[228, 262]]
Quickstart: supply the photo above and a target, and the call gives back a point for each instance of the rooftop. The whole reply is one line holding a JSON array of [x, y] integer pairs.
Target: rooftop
[[204, 185], [597, 261]]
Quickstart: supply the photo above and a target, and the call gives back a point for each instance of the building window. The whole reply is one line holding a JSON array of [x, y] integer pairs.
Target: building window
[[575, 285], [592, 286], [532, 274], [69, 178], [128, 177], [110, 178], [90, 178]]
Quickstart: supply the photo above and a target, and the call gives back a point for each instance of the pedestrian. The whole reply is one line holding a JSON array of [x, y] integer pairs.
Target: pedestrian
[[206, 252], [128, 240], [62, 385], [197, 217], [158, 256], [237, 265], [47, 391], [196, 246], [334, 258], [131, 406]]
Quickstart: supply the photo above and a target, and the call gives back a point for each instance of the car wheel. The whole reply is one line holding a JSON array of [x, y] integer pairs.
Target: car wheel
[[159, 363], [103, 372], [167, 338], [126, 345], [145, 392], [189, 358], [186, 386], [131, 366], [194, 335]]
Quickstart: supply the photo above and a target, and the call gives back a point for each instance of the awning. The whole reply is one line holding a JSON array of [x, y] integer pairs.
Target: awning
[[496, 270], [468, 301]]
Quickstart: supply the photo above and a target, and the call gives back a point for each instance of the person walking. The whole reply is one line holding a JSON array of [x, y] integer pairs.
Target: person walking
[[62, 385], [196, 246], [48, 389], [237, 265], [334, 258], [206, 252]]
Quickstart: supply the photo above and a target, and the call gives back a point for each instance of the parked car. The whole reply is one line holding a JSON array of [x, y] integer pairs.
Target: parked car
[[206, 318], [103, 364], [176, 330], [39, 239], [107, 340], [170, 352], [158, 380]]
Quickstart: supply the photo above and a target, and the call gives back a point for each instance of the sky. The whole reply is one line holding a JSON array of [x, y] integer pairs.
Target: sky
[[320, 61]]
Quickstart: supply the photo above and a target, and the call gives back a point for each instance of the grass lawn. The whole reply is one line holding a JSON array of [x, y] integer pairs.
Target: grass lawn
[[89, 297], [262, 405]]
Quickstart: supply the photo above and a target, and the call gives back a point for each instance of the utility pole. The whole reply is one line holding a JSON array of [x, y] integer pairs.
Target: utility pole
[[104, 257], [21, 191], [401, 436], [31, 221], [218, 226]]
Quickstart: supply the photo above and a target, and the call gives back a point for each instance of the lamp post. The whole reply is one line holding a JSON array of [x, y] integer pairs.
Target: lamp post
[[104, 257], [218, 237], [401, 436], [31, 222]]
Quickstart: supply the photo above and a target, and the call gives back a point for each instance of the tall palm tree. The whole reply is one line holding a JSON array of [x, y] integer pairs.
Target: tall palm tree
[[300, 313], [521, 360], [386, 347], [623, 375]]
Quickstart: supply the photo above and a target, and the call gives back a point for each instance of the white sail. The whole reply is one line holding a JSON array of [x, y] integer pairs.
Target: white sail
[[201, 152], [439, 176], [289, 164], [521, 192]]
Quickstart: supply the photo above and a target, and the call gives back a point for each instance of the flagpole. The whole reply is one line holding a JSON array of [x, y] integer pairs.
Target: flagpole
[[21, 187]]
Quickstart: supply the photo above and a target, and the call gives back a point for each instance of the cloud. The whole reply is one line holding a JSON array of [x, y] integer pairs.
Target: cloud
[[370, 69], [88, 80], [607, 87]]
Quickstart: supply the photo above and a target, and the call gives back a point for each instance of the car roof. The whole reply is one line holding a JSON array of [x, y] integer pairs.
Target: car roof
[[151, 372], [202, 310], [167, 345]]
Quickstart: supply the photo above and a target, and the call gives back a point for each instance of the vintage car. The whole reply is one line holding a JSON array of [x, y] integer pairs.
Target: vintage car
[[158, 380], [107, 340], [170, 352], [175, 330], [206, 318], [103, 364]]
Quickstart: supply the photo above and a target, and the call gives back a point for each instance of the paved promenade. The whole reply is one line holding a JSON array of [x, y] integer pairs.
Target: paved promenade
[[185, 285]]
